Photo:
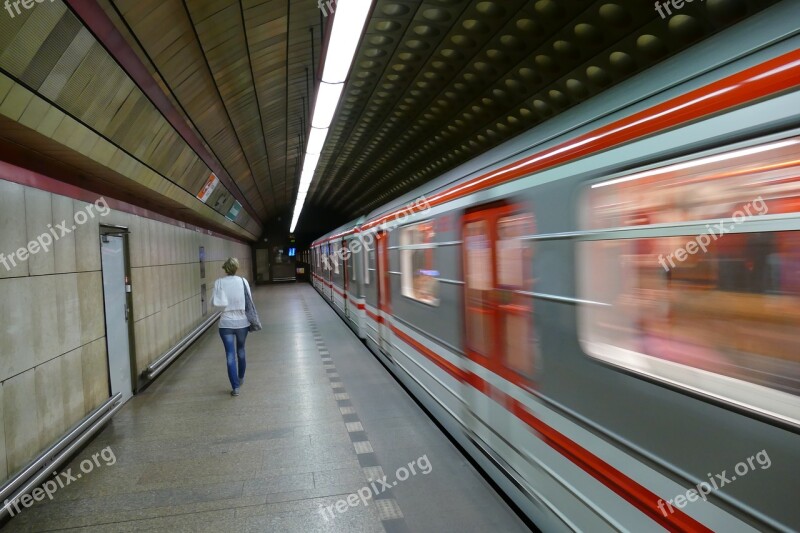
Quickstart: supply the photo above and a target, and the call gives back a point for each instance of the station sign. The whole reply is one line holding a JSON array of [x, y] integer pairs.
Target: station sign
[[236, 208], [208, 189]]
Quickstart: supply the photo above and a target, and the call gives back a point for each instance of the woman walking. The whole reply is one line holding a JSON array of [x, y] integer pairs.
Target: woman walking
[[229, 293]]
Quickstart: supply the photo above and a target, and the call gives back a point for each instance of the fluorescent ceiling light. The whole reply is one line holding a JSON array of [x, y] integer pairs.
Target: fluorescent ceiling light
[[348, 25], [306, 177], [310, 163], [328, 97], [305, 182], [301, 200], [317, 140]]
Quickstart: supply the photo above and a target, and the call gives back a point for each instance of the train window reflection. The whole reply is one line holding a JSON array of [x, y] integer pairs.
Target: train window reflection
[[337, 253], [420, 278], [715, 311], [368, 260], [514, 259], [478, 255], [351, 262], [708, 189], [732, 311]]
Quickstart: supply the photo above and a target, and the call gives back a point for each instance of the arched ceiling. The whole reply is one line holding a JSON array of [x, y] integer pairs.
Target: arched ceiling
[[148, 97], [438, 82]]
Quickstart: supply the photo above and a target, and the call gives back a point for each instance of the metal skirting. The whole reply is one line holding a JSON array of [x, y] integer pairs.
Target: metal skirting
[[41, 468], [161, 364], [51, 459]]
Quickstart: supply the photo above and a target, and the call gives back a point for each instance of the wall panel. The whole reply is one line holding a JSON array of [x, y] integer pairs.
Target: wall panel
[[53, 355]]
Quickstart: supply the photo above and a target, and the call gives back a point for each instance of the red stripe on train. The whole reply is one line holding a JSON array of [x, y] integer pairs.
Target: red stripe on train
[[625, 487], [438, 360], [373, 316]]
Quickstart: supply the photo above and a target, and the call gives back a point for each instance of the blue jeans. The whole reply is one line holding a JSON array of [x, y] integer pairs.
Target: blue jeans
[[234, 339]]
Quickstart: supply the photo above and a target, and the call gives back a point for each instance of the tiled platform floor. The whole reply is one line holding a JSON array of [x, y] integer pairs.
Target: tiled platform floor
[[318, 416]]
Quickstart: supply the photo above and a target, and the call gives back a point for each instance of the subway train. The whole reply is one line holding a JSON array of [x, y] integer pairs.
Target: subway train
[[603, 312]]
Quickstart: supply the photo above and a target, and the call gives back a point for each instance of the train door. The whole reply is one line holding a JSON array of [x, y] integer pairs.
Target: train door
[[498, 304], [384, 294], [346, 276], [329, 247]]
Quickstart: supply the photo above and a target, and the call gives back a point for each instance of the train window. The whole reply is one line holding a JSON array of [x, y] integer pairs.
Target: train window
[[419, 278], [514, 259], [479, 285], [336, 253], [712, 307], [367, 254], [351, 260], [709, 188]]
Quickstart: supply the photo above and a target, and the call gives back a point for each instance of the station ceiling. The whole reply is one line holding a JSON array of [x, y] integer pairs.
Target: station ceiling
[[149, 97]]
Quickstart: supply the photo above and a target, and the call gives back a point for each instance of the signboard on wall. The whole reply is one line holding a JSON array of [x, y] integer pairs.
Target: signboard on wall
[[236, 208], [208, 189]]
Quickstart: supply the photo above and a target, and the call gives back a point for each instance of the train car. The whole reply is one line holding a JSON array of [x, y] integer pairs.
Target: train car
[[338, 272], [603, 311]]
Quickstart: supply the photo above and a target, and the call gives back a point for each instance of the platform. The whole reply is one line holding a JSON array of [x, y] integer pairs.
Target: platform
[[318, 420]]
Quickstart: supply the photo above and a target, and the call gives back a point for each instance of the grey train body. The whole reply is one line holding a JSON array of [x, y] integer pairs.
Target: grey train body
[[665, 438]]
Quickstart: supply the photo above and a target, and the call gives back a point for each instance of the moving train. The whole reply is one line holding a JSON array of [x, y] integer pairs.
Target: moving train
[[603, 312]]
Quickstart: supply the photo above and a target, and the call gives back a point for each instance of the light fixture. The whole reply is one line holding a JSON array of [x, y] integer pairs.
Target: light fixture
[[328, 96], [316, 140], [310, 162], [348, 26]]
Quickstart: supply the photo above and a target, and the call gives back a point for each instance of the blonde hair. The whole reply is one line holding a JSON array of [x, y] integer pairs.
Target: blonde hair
[[231, 266]]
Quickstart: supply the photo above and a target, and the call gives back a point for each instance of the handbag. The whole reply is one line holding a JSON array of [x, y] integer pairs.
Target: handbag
[[250, 310]]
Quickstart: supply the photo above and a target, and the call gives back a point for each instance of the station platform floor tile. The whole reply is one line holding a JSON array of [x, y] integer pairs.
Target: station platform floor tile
[[320, 428]]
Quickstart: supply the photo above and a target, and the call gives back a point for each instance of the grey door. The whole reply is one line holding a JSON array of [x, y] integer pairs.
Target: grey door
[[116, 307]]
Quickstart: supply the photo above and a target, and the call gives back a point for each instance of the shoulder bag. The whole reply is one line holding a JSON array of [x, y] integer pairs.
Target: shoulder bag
[[250, 310]]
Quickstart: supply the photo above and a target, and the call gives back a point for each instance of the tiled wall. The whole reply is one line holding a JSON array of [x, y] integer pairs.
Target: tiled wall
[[53, 365]]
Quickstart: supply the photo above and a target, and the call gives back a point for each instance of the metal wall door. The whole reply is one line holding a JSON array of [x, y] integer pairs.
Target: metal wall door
[[116, 308]]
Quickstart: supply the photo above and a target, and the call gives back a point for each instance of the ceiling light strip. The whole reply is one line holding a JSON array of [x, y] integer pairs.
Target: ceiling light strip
[[348, 26]]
